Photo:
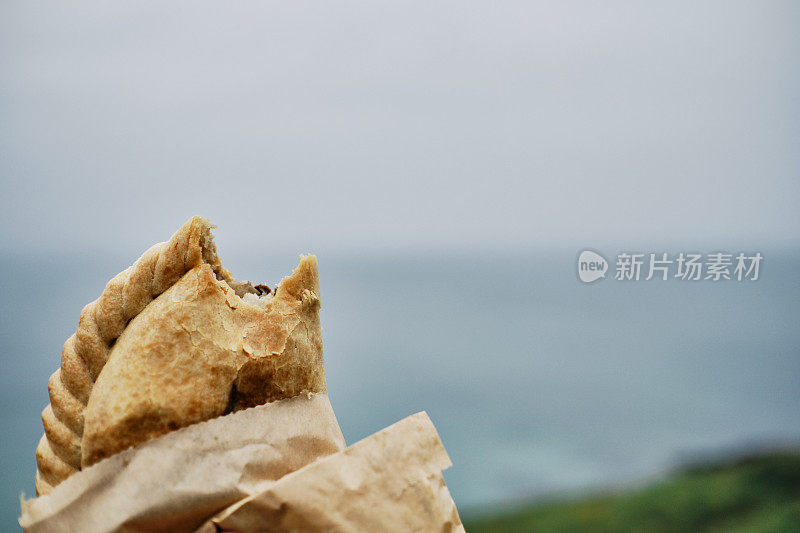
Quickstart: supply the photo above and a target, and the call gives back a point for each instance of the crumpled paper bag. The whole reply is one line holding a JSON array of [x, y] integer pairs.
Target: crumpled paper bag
[[389, 481], [277, 467]]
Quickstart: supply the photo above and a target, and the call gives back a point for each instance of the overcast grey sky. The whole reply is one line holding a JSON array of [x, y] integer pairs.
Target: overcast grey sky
[[316, 125]]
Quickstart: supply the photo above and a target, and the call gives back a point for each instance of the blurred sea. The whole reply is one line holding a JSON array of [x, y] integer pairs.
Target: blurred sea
[[536, 382]]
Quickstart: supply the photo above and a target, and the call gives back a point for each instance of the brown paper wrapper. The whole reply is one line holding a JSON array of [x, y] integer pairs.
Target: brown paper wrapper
[[278, 467], [390, 481]]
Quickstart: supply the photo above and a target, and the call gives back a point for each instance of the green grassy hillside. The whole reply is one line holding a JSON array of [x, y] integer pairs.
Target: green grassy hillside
[[753, 494]]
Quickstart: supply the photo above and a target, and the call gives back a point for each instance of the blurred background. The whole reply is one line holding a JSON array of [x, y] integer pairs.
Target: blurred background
[[446, 163]]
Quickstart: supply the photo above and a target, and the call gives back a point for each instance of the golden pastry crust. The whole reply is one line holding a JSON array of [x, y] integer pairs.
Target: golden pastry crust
[[199, 351], [169, 343]]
